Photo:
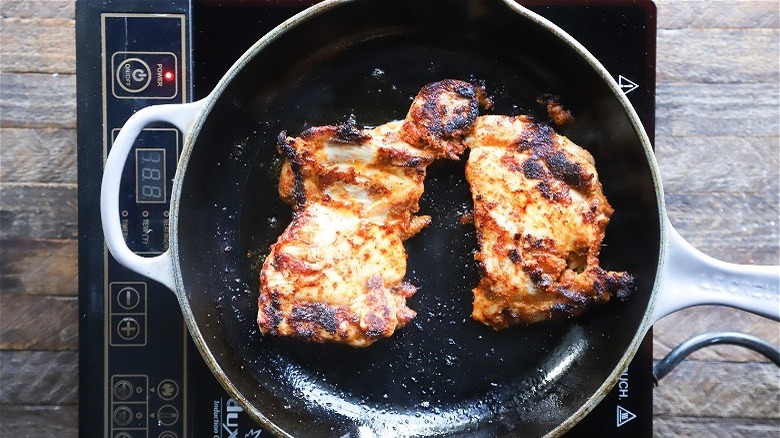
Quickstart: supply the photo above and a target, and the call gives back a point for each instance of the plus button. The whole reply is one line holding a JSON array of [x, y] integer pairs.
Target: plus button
[[128, 328]]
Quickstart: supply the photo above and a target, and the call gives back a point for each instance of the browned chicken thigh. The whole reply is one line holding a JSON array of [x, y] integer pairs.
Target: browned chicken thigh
[[336, 274], [540, 217]]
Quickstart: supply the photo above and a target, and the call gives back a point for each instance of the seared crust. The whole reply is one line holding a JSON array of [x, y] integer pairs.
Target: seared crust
[[540, 216], [336, 274], [442, 115]]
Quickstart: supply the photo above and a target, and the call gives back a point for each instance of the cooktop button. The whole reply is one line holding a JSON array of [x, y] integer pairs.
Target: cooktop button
[[128, 298], [133, 75], [145, 75], [168, 389], [128, 328], [123, 390], [167, 415], [122, 416]]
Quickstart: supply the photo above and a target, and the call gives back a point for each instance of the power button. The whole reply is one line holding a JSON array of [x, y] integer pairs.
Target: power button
[[144, 75], [133, 75]]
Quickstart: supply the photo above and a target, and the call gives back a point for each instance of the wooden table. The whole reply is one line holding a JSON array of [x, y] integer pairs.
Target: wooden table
[[718, 132]]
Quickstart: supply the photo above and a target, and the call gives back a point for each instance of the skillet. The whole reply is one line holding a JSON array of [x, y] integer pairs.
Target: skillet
[[443, 373]]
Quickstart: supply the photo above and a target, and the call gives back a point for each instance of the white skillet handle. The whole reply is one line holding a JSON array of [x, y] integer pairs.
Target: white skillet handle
[[691, 278], [160, 267]]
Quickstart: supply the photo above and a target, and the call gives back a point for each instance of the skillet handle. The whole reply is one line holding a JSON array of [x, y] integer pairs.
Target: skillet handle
[[160, 267], [692, 278]]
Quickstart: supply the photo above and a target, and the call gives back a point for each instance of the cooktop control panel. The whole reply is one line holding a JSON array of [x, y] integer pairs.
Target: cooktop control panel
[[144, 65], [140, 59]]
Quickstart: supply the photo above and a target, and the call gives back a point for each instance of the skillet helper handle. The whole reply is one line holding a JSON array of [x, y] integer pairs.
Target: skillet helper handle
[[692, 278], [679, 353], [160, 267]]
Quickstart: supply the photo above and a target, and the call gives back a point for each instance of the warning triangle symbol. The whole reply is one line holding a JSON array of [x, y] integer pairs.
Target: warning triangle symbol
[[624, 416], [626, 84]]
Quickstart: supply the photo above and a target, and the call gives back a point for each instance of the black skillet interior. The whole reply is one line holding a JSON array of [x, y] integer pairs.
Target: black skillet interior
[[443, 372]]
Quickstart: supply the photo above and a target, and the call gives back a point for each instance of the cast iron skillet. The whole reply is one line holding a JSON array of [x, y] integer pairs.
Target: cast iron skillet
[[443, 373]]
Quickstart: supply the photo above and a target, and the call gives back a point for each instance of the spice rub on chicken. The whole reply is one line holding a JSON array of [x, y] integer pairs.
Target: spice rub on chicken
[[540, 217], [336, 274]]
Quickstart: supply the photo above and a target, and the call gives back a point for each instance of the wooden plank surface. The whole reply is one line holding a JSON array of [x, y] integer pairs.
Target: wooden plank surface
[[694, 14], [710, 389], [38, 45], [39, 377], [30, 322], [39, 267], [59, 421], [717, 55], [717, 149], [39, 211], [37, 100], [699, 427], [716, 109], [46, 155], [717, 145], [38, 9], [742, 156]]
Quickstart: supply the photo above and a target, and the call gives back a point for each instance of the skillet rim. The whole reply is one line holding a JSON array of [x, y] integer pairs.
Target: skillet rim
[[299, 19]]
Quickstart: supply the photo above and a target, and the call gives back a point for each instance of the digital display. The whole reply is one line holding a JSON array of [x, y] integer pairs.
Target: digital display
[[150, 181]]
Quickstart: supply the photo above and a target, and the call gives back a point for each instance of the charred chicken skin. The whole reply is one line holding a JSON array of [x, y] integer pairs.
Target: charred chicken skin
[[540, 217], [336, 274]]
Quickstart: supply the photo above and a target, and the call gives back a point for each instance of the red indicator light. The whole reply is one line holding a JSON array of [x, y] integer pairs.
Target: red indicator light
[[168, 76]]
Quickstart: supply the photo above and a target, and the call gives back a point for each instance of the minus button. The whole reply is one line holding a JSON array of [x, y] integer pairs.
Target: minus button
[[128, 298]]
